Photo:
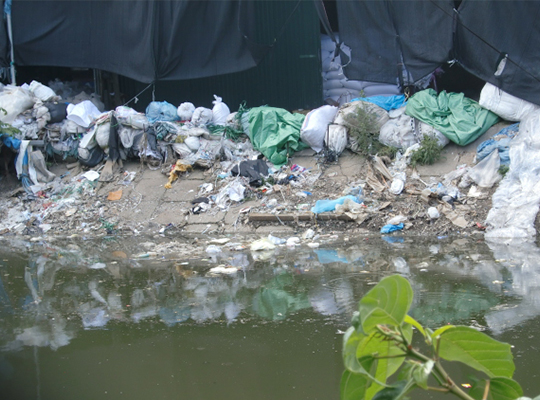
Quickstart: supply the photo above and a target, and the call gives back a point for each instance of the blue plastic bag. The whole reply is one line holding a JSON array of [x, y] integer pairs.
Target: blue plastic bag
[[386, 102], [500, 141], [392, 228], [330, 205], [161, 111]]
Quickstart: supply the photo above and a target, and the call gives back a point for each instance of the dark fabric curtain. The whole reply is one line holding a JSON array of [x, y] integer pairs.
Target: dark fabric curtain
[[384, 34], [144, 40], [487, 31]]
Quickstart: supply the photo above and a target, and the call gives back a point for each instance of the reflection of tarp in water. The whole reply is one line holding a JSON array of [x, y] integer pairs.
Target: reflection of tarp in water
[[276, 300], [450, 304]]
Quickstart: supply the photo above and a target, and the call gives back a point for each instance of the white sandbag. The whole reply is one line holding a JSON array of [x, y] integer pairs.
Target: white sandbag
[[505, 105], [220, 111], [404, 131], [354, 85], [398, 132], [201, 116], [83, 113], [327, 43], [331, 63], [193, 142], [315, 125], [338, 74], [336, 140], [42, 92], [181, 149], [102, 134], [14, 100], [137, 121], [381, 89], [72, 128], [185, 111], [127, 135], [332, 84], [341, 92]]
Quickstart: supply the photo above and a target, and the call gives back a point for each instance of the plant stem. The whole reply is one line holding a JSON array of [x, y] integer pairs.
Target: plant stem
[[447, 382]]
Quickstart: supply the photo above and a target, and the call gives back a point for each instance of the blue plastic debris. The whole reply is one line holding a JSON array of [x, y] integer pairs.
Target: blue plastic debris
[[392, 228], [330, 205]]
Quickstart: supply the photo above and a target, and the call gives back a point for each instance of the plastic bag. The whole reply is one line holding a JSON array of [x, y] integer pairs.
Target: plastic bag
[[315, 126], [102, 134], [42, 92], [330, 205], [336, 140], [505, 105], [220, 111], [161, 111], [486, 172], [82, 114], [516, 201], [201, 116], [185, 111], [14, 100]]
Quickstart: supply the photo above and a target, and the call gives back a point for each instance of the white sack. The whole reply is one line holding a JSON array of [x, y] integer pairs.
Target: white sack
[[201, 116], [185, 111], [42, 92], [102, 134], [505, 105], [220, 111], [315, 126], [336, 140], [14, 100], [83, 113]]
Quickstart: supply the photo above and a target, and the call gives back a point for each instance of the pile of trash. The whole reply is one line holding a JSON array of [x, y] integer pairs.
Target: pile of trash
[[248, 151]]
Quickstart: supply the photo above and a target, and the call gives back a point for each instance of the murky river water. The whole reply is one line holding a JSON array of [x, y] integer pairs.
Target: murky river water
[[78, 321]]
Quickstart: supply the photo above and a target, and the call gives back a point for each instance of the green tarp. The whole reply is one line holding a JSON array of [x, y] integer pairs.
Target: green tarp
[[275, 132], [457, 117]]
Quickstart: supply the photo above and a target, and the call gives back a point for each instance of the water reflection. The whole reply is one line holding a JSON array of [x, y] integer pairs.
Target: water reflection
[[52, 292]]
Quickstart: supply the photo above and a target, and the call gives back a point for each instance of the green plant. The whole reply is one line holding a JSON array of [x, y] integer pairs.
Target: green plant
[[428, 153], [364, 132], [503, 169], [7, 128], [382, 363]]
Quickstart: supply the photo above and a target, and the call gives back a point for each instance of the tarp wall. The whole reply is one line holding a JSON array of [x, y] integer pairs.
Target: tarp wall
[[383, 34], [144, 40], [487, 30]]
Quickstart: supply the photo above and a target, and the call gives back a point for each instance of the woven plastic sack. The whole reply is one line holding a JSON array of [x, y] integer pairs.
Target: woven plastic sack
[[161, 111]]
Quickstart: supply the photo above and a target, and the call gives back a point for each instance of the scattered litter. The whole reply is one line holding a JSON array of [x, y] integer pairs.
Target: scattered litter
[[262, 244], [114, 196], [392, 228], [98, 266], [220, 270]]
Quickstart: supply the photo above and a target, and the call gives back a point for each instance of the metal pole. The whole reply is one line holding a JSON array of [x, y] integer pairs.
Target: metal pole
[[12, 63]]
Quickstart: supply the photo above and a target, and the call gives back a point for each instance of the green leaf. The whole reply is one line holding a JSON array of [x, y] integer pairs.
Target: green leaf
[[477, 350], [351, 341], [353, 386], [394, 392], [386, 304], [441, 330], [410, 320], [421, 373], [383, 352], [499, 389]]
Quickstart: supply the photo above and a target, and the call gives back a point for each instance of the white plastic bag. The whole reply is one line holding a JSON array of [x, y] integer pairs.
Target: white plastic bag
[[102, 134], [315, 126], [14, 100], [220, 111], [336, 139], [185, 111], [201, 116], [486, 172], [42, 92], [193, 142], [83, 113], [505, 105]]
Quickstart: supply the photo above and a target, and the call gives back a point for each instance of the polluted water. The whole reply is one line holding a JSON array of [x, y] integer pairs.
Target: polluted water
[[141, 318]]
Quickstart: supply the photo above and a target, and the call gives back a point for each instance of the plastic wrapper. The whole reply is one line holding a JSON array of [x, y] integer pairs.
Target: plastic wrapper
[[516, 201]]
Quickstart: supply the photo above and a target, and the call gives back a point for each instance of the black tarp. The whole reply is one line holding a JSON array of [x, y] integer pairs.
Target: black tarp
[[488, 30], [144, 40], [383, 34]]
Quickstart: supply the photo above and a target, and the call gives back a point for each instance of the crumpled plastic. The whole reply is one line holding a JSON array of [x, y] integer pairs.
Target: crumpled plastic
[[275, 132], [389, 228], [501, 142], [330, 205], [460, 119]]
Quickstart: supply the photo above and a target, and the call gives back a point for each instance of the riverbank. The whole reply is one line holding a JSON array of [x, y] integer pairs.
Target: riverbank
[[135, 200]]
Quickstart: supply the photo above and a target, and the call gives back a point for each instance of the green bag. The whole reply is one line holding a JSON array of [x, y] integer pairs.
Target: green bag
[[275, 132], [460, 119]]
